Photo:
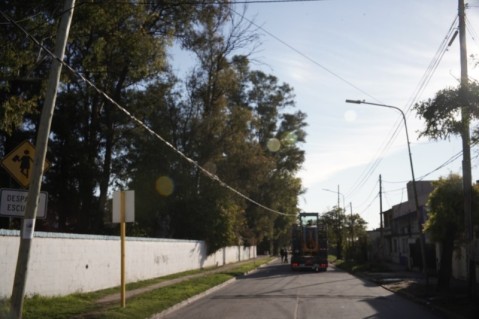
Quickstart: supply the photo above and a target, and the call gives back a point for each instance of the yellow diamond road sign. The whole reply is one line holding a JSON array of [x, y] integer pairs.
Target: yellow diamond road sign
[[19, 163]]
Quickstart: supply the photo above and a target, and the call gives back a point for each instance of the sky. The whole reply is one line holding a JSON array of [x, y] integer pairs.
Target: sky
[[372, 50]]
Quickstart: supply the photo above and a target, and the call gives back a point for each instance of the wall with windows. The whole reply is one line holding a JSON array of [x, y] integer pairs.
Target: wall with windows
[[62, 264]]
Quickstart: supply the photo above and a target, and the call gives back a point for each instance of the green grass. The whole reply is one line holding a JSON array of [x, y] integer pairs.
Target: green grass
[[83, 305], [156, 301]]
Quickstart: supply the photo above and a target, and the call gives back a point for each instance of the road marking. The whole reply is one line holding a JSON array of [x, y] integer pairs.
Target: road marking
[[295, 316]]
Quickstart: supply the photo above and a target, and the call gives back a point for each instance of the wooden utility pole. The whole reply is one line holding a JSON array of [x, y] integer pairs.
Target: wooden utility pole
[[352, 224], [381, 204], [339, 193], [466, 151], [381, 231], [28, 223]]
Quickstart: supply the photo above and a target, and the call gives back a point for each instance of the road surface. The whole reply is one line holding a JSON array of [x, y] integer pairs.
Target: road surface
[[275, 292]]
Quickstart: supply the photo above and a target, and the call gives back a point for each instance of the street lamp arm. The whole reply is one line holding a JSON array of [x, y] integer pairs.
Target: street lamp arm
[[416, 202], [388, 106], [377, 104]]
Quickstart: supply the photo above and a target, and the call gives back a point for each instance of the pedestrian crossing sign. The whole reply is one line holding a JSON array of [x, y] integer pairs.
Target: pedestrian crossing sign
[[19, 163]]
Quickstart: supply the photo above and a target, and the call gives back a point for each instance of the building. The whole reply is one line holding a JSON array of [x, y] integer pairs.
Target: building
[[400, 237], [400, 233]]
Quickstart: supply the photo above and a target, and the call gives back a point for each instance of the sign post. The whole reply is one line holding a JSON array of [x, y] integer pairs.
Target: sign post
[[123, 212]]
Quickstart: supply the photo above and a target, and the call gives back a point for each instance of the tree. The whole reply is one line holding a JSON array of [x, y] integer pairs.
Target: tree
[[223, 116], [336, 221], [216, 121], [355, 227], [450, 113], [445, 221], [118, 47], [442, 113], [23, 71]]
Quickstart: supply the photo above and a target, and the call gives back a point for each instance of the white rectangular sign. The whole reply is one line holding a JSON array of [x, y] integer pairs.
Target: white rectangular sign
[[13, 203], [129, 207]]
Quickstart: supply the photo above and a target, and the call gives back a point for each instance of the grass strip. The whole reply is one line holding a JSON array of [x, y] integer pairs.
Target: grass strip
[[84, 305], [161, 299]]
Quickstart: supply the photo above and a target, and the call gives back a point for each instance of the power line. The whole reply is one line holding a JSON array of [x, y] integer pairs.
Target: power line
[[364, 177], [370, 204], [199, 2], [306, 57], [373, 191], [141, 123], [378, 160]]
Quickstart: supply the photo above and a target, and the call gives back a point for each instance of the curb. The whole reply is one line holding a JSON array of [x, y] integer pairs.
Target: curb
[[203, 294], [191, 300]]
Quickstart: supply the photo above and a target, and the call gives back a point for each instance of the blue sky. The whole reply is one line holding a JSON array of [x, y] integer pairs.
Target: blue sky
[[363, 49]]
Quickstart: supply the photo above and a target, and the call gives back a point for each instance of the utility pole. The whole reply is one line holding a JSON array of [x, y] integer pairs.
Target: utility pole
[[352, 224], [381, 204], [28, 223], [381, 234], [339, 193], [466, 151]]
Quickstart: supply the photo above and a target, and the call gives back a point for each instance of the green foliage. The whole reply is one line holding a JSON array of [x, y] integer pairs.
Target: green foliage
[[342, 228], [336, 222], [445, 220], [446, 208], [443, 113], [238, 124]]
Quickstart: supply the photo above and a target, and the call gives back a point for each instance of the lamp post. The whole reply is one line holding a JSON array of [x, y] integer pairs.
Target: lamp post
[[418, 213], [339, 193]]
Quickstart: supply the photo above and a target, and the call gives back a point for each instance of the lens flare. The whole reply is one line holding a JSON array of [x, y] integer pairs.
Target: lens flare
[[350, 116], [164, 186], [290, 138], [273, 144]]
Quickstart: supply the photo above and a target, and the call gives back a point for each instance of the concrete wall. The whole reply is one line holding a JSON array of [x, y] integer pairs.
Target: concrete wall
[[62, 264]]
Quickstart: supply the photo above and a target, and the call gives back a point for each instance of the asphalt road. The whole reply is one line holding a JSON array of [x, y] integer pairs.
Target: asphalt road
[[276, 292]]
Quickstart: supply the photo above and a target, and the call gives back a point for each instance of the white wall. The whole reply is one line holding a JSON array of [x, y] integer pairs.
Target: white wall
[[62, 264]]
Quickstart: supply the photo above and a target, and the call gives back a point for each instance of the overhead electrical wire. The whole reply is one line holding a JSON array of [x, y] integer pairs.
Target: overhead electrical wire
[[369, 205], [139, 122], [229, 2], [363, 177], [427, 76], [306, 56], [312, 61], [398, 126], [365, 202]]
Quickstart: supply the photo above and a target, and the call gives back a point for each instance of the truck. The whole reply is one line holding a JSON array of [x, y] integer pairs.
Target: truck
[[309, 243]]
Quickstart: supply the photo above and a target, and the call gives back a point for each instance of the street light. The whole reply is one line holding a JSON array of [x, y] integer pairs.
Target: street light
[[339, 193], [421, 235]]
